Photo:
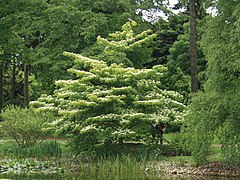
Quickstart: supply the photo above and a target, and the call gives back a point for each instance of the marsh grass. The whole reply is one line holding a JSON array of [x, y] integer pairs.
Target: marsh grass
[[109, 166], [137, 150], [114, 162], [42, 150], [129, 159]]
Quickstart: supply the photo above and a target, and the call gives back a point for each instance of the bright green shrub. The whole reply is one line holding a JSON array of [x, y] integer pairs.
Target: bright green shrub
[[24, 125], [179, 142]]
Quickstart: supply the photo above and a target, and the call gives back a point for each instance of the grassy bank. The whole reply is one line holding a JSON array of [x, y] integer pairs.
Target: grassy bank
[[58, 147], [55, 157]]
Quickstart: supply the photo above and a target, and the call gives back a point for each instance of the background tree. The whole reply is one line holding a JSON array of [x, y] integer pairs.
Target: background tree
[[178, 76], [18, 40], [215, 111], [196, 10], [31, 28], [1, 83], [126, 47], [167, 32], [74, 26], [193, 46]]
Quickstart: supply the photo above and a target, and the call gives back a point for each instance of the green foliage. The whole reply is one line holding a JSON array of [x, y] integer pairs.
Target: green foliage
[[124, 47], [24, 125], [117, 102], [28, 168], [117, 167], [178, 76], [167, 33], [84, 142], [179, 142], [215, 112], [202, 124], [30, 30], [44, 149]]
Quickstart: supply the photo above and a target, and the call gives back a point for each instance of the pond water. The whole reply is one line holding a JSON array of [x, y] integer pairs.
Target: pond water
[[101, 176]]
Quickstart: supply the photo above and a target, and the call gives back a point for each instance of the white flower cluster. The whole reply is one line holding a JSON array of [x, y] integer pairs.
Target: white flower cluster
[[80, 73], [123, 132], [88, 128], [66, 82]]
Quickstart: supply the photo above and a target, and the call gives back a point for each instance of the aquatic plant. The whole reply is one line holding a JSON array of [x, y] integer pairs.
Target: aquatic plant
[[27, 166]]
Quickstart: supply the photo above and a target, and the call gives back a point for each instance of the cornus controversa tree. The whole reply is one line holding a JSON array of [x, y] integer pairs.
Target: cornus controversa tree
[[113, 102], [109, 100]]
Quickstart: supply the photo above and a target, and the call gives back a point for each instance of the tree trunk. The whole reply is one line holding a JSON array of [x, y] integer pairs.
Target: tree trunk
[[193, 46], [13, 86], [25, 88], [1, 86]]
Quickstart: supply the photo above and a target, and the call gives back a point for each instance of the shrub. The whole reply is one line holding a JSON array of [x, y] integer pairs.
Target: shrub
[[179, 143], [84, 142], [24, 125]]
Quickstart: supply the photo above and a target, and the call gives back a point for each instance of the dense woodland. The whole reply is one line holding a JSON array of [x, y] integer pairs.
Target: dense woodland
[[105, 70]]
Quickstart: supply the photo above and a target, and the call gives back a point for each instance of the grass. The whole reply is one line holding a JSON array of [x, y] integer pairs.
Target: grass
[[116, 165], [43, 150], [169, 136], [52, 148], [215, 154], [138, 151], [126, 161]]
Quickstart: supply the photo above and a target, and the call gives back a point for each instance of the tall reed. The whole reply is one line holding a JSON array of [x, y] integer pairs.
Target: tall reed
[[114, 167], [43, 150]]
